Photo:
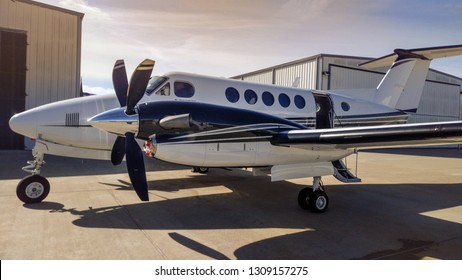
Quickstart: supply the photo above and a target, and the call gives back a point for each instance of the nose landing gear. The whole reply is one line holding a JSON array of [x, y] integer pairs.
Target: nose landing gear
[[33, 188]]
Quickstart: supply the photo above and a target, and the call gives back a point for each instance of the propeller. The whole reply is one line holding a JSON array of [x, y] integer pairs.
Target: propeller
[[118, 151], [138, 84], [120, 82], [135, 167], [129, 95]]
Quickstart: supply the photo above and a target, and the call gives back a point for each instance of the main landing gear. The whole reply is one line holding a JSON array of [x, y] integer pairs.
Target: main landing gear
[[315, 198], [33, 188], [201, 170]]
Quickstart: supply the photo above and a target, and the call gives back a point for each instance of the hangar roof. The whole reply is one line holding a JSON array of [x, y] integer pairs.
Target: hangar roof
[[52, 7]]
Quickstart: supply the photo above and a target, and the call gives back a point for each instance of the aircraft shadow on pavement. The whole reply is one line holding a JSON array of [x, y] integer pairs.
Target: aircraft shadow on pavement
[[11, 164], [363, 221]]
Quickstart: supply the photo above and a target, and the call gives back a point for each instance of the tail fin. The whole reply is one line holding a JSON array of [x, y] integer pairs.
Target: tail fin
[[402, 86]]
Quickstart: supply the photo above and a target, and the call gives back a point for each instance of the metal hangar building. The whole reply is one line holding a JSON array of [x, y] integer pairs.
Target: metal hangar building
[[40, 52], [441, 99]]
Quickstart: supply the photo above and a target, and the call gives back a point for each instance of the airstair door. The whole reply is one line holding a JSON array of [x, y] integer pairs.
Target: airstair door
[[324, 110]]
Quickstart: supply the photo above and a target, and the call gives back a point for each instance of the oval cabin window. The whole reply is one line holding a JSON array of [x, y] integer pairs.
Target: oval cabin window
[[232, 95], [284, 100], [299, 102], [267, 98], [250, 96], [345, 106]]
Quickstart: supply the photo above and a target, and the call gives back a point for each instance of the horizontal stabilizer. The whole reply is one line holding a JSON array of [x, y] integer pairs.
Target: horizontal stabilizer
[[423, 53]]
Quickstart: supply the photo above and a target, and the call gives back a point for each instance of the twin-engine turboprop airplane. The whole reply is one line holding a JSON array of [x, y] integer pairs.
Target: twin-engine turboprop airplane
[[207, 122]]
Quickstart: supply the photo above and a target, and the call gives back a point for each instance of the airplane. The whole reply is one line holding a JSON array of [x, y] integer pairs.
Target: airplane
[[207, 122]]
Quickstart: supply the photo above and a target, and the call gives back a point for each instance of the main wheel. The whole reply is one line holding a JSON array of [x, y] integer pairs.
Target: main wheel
[[33, 189], [304, 198], [318, 202], [201, 170]]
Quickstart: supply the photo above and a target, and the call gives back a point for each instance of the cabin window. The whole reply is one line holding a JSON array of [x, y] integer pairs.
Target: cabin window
[[250, 96], [154, 83], [164, 91], [284, 100], [232, 95], [299, 102], [345, 106], [267, 98], [183, 89]]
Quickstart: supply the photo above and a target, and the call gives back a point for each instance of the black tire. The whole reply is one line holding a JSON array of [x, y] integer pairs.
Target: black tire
[[33, 189], [319, 201], [201, 170], [304, 198]]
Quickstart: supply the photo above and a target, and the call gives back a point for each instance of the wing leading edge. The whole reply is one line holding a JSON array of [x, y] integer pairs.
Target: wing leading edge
[[373, 136]]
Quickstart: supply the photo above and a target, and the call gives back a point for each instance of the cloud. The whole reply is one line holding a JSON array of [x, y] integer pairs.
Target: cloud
[[97, 90], [225, 37]]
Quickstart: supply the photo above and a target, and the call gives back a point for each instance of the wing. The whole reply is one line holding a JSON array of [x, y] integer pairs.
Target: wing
[[373, 136]]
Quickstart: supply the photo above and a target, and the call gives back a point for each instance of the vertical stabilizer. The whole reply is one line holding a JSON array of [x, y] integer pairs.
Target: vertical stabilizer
[[402, 86]]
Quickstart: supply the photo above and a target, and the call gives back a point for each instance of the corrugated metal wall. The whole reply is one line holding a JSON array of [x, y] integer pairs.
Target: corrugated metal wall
[[443, 77], [53, 53], [342, 77], [328, 60], [439, 102], [265, 77], [300, 75]]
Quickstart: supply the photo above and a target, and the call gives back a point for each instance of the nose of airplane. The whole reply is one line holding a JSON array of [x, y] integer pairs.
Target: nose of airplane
[[115, 121], [24, 123]]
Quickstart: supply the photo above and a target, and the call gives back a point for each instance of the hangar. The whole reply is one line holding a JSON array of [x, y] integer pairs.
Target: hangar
[[40, 50], [441, 99]]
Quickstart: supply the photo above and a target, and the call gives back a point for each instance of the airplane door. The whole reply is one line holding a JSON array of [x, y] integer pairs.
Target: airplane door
[[324, 110]]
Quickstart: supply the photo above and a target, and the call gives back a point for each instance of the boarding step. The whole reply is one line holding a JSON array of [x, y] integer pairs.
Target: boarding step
[[342, 173]]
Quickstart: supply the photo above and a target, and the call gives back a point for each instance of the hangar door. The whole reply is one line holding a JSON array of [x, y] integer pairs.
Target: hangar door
[[13, 48]]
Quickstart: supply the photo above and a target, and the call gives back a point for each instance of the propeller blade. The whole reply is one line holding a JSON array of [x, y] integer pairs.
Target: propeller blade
[[120, 82], [135, 166], [118, 151], [138, 83]]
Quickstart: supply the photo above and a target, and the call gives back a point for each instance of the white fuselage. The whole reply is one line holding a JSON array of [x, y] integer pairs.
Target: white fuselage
[[63, 125]]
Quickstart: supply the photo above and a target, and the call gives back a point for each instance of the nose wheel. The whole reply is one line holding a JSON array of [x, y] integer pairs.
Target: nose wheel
[[33, 189], [314, 199]]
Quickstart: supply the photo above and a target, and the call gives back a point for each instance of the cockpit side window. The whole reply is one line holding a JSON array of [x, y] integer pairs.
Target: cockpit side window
[[154, 83], [164, 91], [183, 89]]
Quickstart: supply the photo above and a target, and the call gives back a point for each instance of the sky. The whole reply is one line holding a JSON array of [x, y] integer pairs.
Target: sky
[[226, 38]]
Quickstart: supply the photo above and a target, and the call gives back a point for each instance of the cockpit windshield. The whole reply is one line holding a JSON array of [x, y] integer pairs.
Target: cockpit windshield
[[154, 83]]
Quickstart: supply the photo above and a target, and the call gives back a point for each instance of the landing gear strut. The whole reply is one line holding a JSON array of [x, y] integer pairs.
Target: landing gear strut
[[33, 188], [315, 198]]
